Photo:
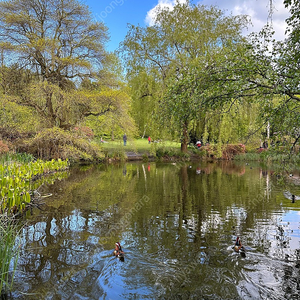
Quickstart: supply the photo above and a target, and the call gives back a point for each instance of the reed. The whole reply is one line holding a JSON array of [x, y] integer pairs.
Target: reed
[[9, 252], [8, 158]]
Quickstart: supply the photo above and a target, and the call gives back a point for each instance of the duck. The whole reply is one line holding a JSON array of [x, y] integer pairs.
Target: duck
[[118, 252], [238, 247]]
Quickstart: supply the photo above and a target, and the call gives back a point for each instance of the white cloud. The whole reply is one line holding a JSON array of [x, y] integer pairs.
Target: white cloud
[[150, 18], [258, 10]]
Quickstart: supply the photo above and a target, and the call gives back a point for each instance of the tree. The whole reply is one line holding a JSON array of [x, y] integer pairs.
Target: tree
[[57, 39], [145, 90], [266, 71], [109, 113], [185, 38], [57, 63]]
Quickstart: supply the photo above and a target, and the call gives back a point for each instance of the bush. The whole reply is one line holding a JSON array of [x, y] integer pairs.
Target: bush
[[3, 147], [84, 132], [170, 153], [226, 152], [229, 151], [145, 157], [54, 143], [16, 157]]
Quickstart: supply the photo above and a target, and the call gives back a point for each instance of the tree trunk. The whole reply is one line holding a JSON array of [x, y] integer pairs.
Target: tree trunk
[[185, 138]]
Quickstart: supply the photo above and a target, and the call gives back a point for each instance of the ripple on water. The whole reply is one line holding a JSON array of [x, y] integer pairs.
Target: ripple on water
[[126, 280]]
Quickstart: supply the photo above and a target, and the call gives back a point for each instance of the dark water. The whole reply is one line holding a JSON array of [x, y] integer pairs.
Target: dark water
[[177, 224]]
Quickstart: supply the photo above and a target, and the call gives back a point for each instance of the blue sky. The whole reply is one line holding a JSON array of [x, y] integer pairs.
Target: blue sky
[[116, 14]]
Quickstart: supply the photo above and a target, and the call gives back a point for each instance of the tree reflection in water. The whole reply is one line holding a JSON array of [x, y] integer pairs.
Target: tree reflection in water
[[178, 244]]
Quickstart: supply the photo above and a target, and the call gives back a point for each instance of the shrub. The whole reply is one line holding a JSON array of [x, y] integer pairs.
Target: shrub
[[229, 151], [145, 157], [3, 147], [170, 153], [54, 143], [84, 132]]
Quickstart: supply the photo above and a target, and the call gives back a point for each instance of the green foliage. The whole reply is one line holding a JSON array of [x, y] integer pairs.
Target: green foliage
[[14, 79], [270, 156], [15, 182], [23, 158], [145, 94], [178, 51], [115, 118], [171, 154], [41, 36], [16, 120], [118, 155], [56, 143], [47, 57], [9, 253]]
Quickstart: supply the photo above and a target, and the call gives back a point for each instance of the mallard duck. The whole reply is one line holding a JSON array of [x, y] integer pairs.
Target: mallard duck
[[118, 252]]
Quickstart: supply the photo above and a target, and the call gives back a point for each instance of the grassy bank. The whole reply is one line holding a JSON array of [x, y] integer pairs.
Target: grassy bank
[[116, 149], [270, 155], [139, 145]]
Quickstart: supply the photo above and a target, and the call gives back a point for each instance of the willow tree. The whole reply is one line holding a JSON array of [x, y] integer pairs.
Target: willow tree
[[186, 37], [267, 71]]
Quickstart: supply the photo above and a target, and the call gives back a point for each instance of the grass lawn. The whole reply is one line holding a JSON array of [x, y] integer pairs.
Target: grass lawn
[[139, 146]]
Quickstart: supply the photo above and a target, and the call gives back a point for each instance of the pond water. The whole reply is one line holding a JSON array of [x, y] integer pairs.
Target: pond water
[[177, 224]]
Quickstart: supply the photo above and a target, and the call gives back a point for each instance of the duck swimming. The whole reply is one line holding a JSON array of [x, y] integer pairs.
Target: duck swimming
[[238, 247], [118, 252]]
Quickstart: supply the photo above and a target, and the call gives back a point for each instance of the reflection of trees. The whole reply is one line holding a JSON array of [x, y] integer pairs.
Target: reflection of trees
[[197, 211], [187, 216], [204, 201], [63, 239]]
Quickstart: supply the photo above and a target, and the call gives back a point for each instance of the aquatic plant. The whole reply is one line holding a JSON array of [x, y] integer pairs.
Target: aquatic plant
[[16, 157], [16, 182], [9, 253]]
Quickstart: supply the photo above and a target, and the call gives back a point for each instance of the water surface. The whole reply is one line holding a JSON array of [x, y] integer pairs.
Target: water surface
[[177, 224]]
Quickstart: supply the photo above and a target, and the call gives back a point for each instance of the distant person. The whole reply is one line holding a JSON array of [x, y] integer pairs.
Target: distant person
[[149, 139], [198, 144], [125, 139]]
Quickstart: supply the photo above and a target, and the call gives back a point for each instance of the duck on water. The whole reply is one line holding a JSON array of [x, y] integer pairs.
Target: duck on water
[[118, 252], [239, 248]]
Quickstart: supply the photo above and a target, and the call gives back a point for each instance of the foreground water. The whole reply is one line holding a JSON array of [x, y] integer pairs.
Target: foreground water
[[177, 224]]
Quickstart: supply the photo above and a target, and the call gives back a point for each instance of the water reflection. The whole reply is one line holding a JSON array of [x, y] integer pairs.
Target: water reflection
[[177, 224]]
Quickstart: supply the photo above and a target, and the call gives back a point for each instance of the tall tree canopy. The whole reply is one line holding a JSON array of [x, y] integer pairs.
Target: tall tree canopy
[[182, 39], [53, 60], [268, 71], [57, 39]]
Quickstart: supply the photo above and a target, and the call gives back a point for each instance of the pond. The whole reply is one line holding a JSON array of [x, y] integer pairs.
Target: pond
[[177, 224]]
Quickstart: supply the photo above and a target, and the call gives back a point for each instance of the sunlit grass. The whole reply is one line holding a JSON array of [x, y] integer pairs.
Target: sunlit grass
[[139, 146]]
